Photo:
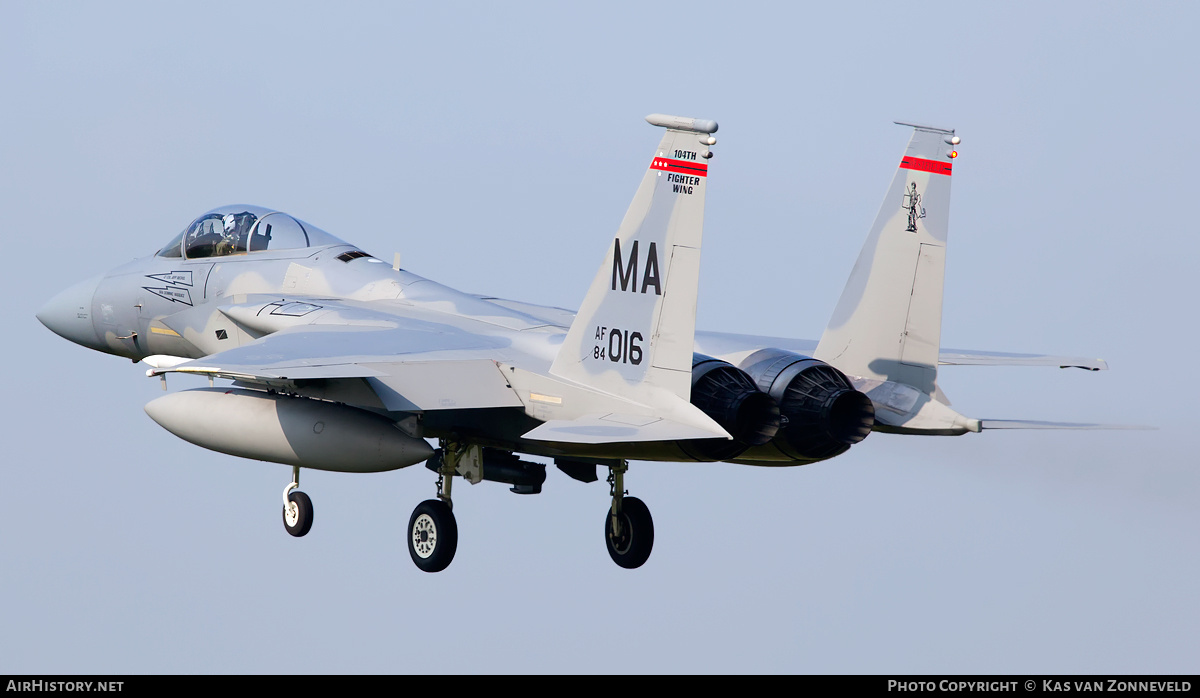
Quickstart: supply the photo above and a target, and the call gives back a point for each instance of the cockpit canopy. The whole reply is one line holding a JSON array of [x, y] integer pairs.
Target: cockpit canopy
[[236, 230]]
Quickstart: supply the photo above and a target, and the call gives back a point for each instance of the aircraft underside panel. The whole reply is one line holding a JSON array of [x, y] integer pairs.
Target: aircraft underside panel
[[442, 385]]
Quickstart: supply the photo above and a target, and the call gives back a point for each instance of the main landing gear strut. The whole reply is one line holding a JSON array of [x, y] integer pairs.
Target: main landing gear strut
[[432, 529], [628, 527]]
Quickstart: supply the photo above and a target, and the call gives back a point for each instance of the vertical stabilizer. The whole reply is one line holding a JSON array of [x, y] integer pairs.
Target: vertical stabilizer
[[888, 322], [637, 324]]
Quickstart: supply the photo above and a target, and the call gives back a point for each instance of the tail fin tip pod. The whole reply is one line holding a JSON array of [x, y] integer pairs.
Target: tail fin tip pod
[[887, 323], [682, 123], [637, 323]]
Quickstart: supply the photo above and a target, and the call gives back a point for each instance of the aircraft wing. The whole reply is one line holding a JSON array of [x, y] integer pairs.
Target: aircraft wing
[[409, 363], [725, 344]]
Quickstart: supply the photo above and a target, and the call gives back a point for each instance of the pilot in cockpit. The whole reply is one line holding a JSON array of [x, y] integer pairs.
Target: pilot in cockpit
[[235, 230], [235, 233]]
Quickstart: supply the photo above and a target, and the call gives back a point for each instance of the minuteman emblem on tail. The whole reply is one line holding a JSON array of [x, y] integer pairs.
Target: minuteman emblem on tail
[[912, 202]]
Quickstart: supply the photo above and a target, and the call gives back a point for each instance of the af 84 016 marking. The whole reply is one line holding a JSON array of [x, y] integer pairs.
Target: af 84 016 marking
[[623, 346]]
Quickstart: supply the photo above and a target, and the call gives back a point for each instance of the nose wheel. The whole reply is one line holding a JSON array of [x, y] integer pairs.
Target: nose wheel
[[297, 507]]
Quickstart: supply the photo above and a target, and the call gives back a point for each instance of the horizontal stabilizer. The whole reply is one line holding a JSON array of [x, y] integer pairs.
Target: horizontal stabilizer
[[618, 428], [985, 424]]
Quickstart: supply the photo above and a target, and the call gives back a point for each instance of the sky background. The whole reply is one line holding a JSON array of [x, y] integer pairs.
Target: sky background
[[496, 147]]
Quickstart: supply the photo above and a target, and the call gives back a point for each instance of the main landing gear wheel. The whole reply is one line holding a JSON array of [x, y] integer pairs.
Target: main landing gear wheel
[[630, 544], [432, 535], [298, 514]]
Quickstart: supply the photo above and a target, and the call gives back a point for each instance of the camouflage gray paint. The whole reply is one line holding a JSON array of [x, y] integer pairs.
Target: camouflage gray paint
[[295, 309], [342, 362]]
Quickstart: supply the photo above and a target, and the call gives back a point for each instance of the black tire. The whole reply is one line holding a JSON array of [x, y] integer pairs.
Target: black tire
[[304, 514], [432, 535], [632, 548]]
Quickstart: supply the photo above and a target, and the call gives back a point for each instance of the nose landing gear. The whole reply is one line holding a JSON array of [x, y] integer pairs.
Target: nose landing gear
[[297, 507]]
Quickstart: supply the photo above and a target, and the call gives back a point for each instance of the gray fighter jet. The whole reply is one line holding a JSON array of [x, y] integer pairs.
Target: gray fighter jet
[[341, 361]]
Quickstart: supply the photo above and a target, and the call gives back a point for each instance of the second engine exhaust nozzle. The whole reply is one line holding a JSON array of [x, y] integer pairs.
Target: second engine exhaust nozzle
[[824, 414]]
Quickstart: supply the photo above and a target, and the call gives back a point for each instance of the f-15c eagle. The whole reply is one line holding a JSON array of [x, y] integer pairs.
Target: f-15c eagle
[[341, 361]]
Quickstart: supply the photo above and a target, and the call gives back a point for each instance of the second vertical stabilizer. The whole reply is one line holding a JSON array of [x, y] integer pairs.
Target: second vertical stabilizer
[[887, 324]]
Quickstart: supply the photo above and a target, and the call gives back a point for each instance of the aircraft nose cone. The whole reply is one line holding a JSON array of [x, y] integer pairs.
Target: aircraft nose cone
[[69, 314]]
